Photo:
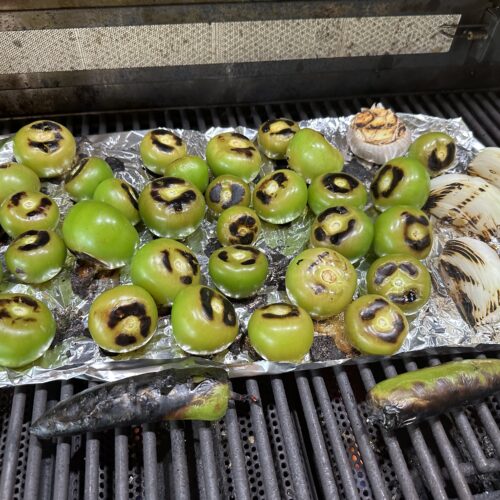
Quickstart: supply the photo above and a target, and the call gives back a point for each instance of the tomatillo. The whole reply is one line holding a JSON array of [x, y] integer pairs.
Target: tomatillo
[[190, 168], [274, 135], [375, 326], [15, 177], [404, 230], [227, 191], [281, 332], [164, 267], [47, 147], [321, 281], [27, 210], [36, 256], [332, 189], [99, 233], [238, 271], [203, 320], [238, 225], [401, 181], [27, 329], [435, 150], [402, 279], [346, 229], [280, 196], [234, 154], [171, 207], [310, 154], [84, 178], [159, 148], [123, 318], [121, 195]]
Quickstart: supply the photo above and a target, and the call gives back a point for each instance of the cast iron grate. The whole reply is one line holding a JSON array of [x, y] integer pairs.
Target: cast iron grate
[[308, 438]]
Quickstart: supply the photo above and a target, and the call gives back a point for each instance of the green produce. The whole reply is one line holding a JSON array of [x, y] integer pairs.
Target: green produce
[[280, 197], [164, 267], [27, 210], [321, 281], [331, 189], [404, 230], [238, 271], [15, 178], [36, 256], [402, 279], [27, 329], [123, 318], [435, 150], [310, 154], [99, 233], [84, 178], [192, 169], [171, 207], [281, 332], [238, 225], [234, 154], [414, 396], [47, 147], [346, 229], [203, 320], [401, 181], [159, 148], [375, 326], [121, 195], [274, 135], [227, 191]]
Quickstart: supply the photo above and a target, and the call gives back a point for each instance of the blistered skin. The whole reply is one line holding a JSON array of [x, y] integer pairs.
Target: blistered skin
[[121, 195], [238, 226], [84, 178], [435, 150], [227, 191], [47, 147], [274, 135], [159, 148], [15, 178]]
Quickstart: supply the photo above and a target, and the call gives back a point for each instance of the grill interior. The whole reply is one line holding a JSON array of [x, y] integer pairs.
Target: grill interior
[[308, 437]]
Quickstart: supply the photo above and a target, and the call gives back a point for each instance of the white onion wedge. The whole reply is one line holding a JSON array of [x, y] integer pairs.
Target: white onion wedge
[[471, 272], [486, 164], [469, 203]]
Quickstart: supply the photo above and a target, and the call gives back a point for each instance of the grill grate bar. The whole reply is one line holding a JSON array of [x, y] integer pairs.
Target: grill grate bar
[[92, 445], [490, 425], [207, 458], [150, 460], [483, 117], [121, 464], [179, 462]]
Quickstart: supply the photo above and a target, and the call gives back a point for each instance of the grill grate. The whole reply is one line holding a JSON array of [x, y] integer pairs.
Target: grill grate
[[307, 439]]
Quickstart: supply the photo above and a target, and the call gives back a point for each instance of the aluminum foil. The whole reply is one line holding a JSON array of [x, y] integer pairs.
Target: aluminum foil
[[74, 354]]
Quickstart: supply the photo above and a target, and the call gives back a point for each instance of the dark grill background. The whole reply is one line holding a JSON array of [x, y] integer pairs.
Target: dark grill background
[[308, 438]]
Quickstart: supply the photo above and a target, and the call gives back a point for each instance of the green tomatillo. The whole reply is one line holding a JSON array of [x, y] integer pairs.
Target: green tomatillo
[[435, 150], [274, 135], [15, 177], [121, 195], [238, 225], [159, 148], [190, 168], [227, 191], [84, 178]]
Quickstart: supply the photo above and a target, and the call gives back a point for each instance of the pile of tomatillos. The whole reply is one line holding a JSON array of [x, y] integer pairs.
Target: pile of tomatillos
[[321, 281]]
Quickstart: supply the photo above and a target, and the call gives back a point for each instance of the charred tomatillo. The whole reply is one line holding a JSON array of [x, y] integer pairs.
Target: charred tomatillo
[[159, 148], [238, 225], [227, 191], [190, 168], [15, 178], [274, 135], [121, 195], [85, 176], [435, 150]]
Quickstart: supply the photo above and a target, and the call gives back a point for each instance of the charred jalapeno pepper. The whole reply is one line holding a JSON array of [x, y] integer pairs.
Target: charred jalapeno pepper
[[401, 181], [234, 154], [27, 210], [47, 147], [281, 332], [36, 256], [99, 233], [27, 329], [274, 135], [164, 267], [404, 230], [435, 150], [280, 197], [15, 178], [332, 189], [84, 178], [310, 154], [192, 169], [402, 279], [121, 195], [123, 319], [321, 281], [238, 225], [238, 271], [171, 207], [227, 191], [203, 320], [159, 148], [375, 326], [346, 229]]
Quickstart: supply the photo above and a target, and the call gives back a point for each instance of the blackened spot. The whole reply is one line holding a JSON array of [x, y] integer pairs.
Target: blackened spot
[[42, 238], [116, 164], [456, 273], [292, 312], [369, 311], [133, 309], [285, 132], [183, 200], [397, 175], [246, 239], [46, 126], [47, 146], [319, 234], [191, 260], [239, 136], [186, 280], [248, 151], [332, 210], [467, 308], [252, 250], [435, 164], [248, 262], [43, 206], [455, 246], [423, 242], [131, 193], [78, 168], [237, 194], [215, 193], [263, 197], [223, 256], [406, 298], [164, 147], [328, 181], [409, 268], [5, 165], [206, 296], [280, 178], [4, 313], [336, 239], [122, 339], [244, 220], [384, 272], [228, 314], [166, 260], [16, 198], [317, 288], [27, 301]]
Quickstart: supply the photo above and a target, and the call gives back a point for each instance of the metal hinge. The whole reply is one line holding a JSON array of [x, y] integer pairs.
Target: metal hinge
[[471, 32]]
